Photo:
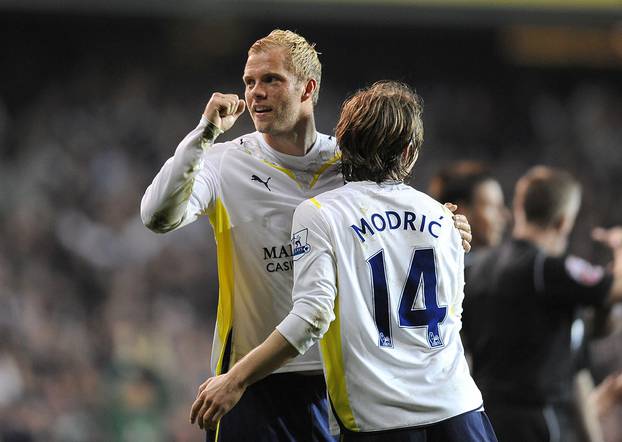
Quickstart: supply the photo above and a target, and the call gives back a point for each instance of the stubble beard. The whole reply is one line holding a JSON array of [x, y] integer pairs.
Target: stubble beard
[[278, 125]]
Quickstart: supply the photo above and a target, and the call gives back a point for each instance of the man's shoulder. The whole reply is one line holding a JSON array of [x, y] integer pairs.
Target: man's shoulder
[[244, 148], [425, 199], [323, 204], [327, 141], [574, 269], [329, 153], [483, 262], [353, 192], [246, 141], [332, 197], [507, 267]]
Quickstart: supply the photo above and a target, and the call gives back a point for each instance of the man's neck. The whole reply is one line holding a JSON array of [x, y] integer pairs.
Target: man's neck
[[549, 240], [296, 142]]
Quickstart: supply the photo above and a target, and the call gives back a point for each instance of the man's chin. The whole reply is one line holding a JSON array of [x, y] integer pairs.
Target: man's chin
[[267, 129], [262, 128], [271, 128]]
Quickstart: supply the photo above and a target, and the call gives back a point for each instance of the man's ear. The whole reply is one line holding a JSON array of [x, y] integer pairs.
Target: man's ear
[[564, 224], [310, 87]]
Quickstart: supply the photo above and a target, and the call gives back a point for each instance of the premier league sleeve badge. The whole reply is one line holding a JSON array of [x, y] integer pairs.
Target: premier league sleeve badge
[[300, 246]]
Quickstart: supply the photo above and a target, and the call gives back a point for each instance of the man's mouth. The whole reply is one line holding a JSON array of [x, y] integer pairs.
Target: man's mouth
[[261, 109]]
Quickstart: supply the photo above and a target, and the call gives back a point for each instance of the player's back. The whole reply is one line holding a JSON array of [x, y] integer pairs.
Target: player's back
[[393, 356]]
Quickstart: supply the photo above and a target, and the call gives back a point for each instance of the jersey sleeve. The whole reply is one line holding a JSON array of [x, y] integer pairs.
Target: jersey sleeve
[[187, 184], [572, 280], [315, 279]]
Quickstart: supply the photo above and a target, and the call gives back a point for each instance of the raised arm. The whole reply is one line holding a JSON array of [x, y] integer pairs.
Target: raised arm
[[178, 194]]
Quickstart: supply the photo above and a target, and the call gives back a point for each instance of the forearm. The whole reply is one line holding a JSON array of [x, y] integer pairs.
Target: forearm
[[293, 336], [274, 352], [219, 394], [164, 204]]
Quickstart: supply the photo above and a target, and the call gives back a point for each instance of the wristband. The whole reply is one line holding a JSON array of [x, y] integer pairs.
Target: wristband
[[210, 133]]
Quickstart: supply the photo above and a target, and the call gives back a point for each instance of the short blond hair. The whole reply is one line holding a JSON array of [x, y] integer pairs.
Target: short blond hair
[[303, 58]]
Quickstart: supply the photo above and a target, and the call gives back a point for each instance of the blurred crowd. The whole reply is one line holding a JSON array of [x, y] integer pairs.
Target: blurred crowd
[[106, 327]]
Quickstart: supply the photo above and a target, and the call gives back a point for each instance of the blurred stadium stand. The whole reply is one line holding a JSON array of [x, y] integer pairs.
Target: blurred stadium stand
[[459, 11], [106, 327]]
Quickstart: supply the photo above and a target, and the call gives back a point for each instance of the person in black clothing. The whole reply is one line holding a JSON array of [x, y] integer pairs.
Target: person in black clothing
[[520, 301]]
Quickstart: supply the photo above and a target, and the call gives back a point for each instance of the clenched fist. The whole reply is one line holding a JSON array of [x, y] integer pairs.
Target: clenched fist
[[223, 110]]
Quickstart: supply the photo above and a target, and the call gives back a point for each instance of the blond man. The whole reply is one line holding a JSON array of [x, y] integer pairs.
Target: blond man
[[249, 188], [379, 278]]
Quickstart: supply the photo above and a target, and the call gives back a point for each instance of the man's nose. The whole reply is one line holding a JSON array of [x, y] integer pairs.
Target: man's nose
[[258, 91]]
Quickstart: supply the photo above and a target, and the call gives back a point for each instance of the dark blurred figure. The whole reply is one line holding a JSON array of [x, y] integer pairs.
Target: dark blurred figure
[[478, 195], [520, 301]]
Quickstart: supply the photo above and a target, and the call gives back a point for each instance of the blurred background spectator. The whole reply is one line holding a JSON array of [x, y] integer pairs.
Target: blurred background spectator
[[106, 327], [479, 197]]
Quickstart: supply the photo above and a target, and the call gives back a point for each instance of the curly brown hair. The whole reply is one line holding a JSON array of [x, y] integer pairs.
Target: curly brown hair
[[380, 132]]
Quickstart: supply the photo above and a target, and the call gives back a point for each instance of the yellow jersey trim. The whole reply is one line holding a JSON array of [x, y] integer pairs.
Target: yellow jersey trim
[[330, 346], [215, 433], [224, 318], [286, 171], [323, 168]]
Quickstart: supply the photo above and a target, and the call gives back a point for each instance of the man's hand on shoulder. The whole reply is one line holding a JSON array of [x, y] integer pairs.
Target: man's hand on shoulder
[[222, 110], [462, 224]]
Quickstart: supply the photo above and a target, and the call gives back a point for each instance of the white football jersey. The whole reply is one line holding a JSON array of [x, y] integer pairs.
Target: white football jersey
[[249, 192], [379, 273]]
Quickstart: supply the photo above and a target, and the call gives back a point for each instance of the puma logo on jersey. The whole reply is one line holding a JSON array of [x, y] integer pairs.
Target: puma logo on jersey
[[265, 183]]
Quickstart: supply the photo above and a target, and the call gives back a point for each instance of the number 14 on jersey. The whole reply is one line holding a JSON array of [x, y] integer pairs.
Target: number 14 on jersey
[[421, 277]]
